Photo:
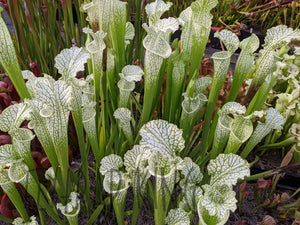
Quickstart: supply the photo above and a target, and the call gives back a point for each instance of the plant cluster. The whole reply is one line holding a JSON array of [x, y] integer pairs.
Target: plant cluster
[[113, 107], [240, 14]]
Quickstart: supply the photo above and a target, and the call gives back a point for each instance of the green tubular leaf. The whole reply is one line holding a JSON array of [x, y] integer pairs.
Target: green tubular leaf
[[170, 66], [274, 120], [227, 169], [163, 168], [222, 130], [110, 163], [157, 47], [132, 73], [136, 161], [13, 116], [221, 66], [265, 64], [111, 77], [262, 93], [178, 76], [97, 45], [116, 182], [123, 115], [89, 123], [155, 10], [159, 135], [20, 221], [190, 109], [10, 189], [177, 217], [9, 60], [22, 145], [216, 202], [117, 31], [18, 172], [241, 129], [99, 13], [71, 209], [70, 61], [244, 64], [129, 33], [196, 22], [206, 219], [192, 19], [230, 40], [191, 195], [53, 106], [40, 126], [201, 84]]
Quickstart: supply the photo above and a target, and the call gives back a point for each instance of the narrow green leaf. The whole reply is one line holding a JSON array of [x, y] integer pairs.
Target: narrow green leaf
[[9, 60]]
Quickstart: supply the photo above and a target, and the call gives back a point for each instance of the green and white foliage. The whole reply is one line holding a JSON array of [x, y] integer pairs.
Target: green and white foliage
[[129, 33], [230, 40], [215, 205], [196, 22], [12, 117], [227, 169], [110, 163], [191, 107], [99, 13], [190, 185], [157, 155], [115, 182], [7, 154], [129, 75], [276, 37], [10, 121], [136, 162], [274, 120], [70, 61], [177, 217], [9, 61], [201, 84], [241, 129], [123, 116], [222, 131], [219, 198], [20, 221], [95, 46], [244, 64], [161, 136], [71, 209], [155, 10], [51, 107], [132, 73]]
